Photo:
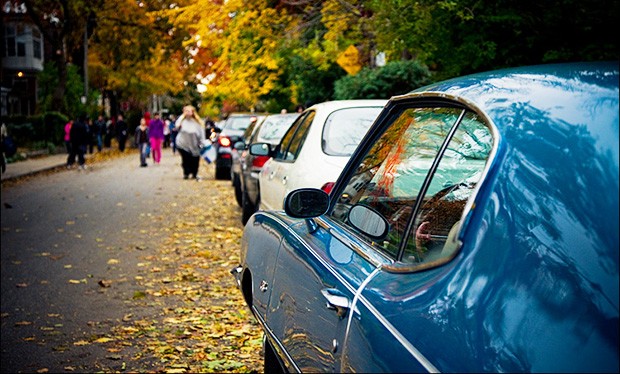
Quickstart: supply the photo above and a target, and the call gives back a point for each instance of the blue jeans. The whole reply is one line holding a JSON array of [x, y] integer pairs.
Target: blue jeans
[[143, 147]]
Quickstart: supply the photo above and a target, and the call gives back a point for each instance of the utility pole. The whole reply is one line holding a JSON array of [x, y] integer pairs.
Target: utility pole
[[85, 97]]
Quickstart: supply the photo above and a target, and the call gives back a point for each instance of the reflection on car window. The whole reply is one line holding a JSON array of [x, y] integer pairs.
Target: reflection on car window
[[273, 129], [391, 176], [458, 172], [345, 128], [287, 138], [292, 149]]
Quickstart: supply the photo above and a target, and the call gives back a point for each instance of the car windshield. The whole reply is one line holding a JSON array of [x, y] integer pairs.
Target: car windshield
[[274, 127], [238, 123], [345, 128]]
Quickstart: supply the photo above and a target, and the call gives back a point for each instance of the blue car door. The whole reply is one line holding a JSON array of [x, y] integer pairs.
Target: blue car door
[[316, 277]]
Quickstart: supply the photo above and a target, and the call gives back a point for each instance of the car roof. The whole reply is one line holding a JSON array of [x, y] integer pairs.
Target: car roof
[[568, 92], [339, 104]]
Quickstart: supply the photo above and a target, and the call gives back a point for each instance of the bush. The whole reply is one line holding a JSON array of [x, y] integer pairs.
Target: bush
[[37, 132], [395, 78]]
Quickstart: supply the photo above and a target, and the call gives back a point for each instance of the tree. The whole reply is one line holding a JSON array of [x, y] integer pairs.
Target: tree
[[62, 25]]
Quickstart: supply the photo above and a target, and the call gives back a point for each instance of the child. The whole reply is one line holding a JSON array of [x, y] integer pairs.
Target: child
[[142, 141]]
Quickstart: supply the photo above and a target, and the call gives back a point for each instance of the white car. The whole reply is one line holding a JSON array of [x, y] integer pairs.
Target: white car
[[315, 149]]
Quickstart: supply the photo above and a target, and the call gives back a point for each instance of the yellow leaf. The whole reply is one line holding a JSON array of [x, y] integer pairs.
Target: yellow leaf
[[113, 261], [74, 281], [103, 340], [81, 342]]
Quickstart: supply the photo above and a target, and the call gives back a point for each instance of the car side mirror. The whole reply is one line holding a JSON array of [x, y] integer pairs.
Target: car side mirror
[[368, 221], [260, 149], [306, 203], [239, 146]]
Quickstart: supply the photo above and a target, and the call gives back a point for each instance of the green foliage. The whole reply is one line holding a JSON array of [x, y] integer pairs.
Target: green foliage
[[48, 80], [39, 131], [395, 78], [311, 83]]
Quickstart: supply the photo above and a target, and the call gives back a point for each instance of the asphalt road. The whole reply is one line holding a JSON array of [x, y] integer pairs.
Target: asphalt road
[[68, 235]]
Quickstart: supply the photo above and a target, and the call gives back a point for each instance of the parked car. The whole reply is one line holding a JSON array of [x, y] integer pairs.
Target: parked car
[[232, 130], [314, 150], [475, 229], [237, 149], [270, 130]]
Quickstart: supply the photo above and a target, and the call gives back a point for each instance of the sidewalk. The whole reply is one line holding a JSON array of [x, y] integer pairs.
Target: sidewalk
[[33, 166]]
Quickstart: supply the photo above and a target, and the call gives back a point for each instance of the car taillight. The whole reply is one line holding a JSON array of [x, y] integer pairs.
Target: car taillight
[[327, 187], [224, 141], [259, 161]]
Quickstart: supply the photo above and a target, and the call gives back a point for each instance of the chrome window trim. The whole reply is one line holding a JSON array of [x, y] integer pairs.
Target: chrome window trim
[[388, 326], [394, 266]]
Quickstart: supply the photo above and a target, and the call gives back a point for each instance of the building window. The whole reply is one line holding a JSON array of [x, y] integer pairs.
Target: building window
[[10, 41], [36, 46], [21, 49]]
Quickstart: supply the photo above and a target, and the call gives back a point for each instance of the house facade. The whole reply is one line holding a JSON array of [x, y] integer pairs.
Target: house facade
[[22, 59]]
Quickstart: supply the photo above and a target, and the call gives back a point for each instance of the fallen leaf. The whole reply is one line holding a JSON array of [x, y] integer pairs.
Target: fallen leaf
[[22, 285], [103, 340], [104, 283]]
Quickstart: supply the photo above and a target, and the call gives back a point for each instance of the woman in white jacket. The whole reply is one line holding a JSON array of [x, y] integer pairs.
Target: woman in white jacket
[[189, 140]]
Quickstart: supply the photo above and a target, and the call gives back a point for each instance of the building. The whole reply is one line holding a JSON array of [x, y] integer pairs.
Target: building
[[22, 58]]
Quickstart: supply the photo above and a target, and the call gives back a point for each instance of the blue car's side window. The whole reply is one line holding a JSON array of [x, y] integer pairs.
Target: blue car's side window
[[390, 177], [460, 168]]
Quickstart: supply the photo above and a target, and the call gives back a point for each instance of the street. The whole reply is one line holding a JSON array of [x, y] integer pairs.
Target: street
[[122, 268]]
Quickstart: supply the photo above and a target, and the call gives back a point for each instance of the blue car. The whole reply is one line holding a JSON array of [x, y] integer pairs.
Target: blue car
[[475, 229]]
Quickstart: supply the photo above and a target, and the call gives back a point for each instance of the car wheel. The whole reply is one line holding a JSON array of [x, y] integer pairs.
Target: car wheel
[[270, 360], [247, 208], [237, 186], [222, 173]]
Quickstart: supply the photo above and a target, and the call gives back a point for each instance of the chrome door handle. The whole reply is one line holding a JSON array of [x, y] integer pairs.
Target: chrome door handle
[[337, 301]]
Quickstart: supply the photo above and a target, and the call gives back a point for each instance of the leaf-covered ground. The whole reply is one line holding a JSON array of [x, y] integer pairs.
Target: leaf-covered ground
[[203, 324], [186, 313]]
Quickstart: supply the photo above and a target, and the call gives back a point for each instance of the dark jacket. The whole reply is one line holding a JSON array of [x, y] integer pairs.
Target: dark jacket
[[79, 133]]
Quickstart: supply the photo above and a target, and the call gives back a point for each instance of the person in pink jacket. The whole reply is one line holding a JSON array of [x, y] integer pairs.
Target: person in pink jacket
[[67, 137], [156, 136]]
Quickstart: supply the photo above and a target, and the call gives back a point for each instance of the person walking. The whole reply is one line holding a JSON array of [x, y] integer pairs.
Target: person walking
[[156, 136], [121, 132], [67, 137], [141, 141], [100, 130], [92, 132], [173, 133], [79, 141], [189, 139], [109, 133]]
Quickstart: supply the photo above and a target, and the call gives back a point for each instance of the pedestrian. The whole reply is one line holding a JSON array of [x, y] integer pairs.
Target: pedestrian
[[209, 127], [189, 139], [156, 136], [92, 135], [173, 133], [121, 132], [299, 108], [109, 133], [79, 137], [166, 133], [100, 129], [67, 137], [147, 118], [141, 141], [3, 134]]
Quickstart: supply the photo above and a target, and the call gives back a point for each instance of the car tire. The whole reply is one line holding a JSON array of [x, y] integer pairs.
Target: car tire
[[270, 360], [222, 173], [247, 208], [237, 186]]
